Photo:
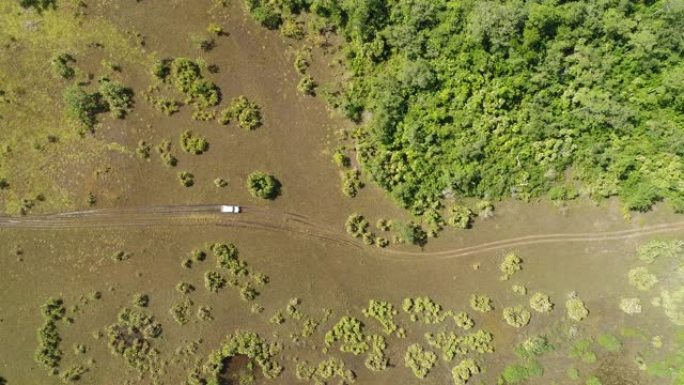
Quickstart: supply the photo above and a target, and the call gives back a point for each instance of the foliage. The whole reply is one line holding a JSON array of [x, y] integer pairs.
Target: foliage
[[510, 265], [518, 373], [187, 77], [541, 302], [186, 178], [62, 67], [420, 361], [349, 332], [516, 316], [376, 360], [463, 320], [630, 305], [481, 303], [306, 85], [245, 343], [351, 182], [262, 185], [423, 309], [220, 182], [656, 249], [384, 313], [132, 336], [593, 380], [214, 281], [193, 144], [534, 346], [576, 309], [640, 278], [117, 98], [465, 369], [48, 353], [411, 233], [609, 342], [247, 113], [501, 98], [460, 217], [582, 350], [141, 300], [673, 305], [326, 370], [356, 225], [38, 5], [180, 311], [82, 106]]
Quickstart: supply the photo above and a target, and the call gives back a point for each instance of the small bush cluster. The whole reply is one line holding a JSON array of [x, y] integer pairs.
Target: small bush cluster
[[186, 178], [576, 309], [655, 249], [326, 371], [214, 281], [534, 346], [48, 353], [376, 360], [307, 85], [357, 226], [193, 144], [641, 278], [262, 185], [630, 305], [460, 217], [481, 303], [117, 98], [423, 309], [410, 233], [541, 302], [188, 79], [516, 316], [510, 265], [351, 182], [450, 344], [82, 106], [38, 5], [180, 311], [462, 372], [349, 332], [384, 313], [246, 112], [419, 360], [62, 67], [519, 373], [132, 336], [463, 320]]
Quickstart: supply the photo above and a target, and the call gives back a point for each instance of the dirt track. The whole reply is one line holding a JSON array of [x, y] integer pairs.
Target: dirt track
[[265, 219]]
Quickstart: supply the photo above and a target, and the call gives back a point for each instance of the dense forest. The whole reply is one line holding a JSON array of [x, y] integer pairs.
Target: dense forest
[[493, 99]]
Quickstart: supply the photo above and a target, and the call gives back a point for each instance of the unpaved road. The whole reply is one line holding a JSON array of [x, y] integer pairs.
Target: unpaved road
[[266, 219]]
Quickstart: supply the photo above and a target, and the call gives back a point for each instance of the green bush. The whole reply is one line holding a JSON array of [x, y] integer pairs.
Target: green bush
[[516, 316], [462, 372], [420, 361], [351, 182], [541, 302], [247, 113], [518, 373], [349, 332], [62, 67], [384, 313], [481, 303], [214, 281], [262, 185], [186, 178], [510, 265], [117, 98], [82, 106], [460, 217], [38, 5], [193, 144], [306, 85], [640, 278], [411, 233], [576, 309]]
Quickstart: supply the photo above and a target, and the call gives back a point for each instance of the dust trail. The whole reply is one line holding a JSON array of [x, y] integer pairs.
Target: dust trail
[[272, 220]]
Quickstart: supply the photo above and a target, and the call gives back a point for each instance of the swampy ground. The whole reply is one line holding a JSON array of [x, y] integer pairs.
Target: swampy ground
[[311, 282]]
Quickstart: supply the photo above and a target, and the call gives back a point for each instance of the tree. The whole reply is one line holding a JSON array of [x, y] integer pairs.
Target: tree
[[262, 185]]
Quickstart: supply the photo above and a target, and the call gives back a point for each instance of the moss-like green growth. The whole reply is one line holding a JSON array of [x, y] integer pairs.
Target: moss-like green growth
[[640, 278], [519, 373], [534, 346], [132, 336], [673, 304], [186, 178], [247, 113], [419, 360], [609, 342], [214, 281], [582, 350], [462, 372], [541, 302], [384, 313], [510, 265], [423, 309], [262, 185], [481, 303], [593, 380], [516, 316], [576, 309], [349, 332], [655, 249], [193, 144], [74, 373]]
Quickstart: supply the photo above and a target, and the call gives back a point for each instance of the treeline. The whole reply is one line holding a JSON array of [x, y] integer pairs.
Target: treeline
[[493, 99]]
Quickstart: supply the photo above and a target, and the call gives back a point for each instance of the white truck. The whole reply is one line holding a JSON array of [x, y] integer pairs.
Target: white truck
[[230, 209]]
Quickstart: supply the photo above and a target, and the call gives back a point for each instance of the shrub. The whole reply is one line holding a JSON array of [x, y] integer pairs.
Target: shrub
[[384, 313], [576, 309], [82, 106], [301, 62], [262, 185], [142, 151], [62, 67], [351, 182], [349, 332], [306, 85], [420, 361], [521, 372], [204, 313], [460, 217], [541, 302], [38, 5], [630, 305], [220, 182], [462, 372], [186, 178], [141, 300], [132, 336], [214, 281], [481, 303], [117, 98], [673, 304], [340, 159], [485, 209], [188, 79], [610, 342], [519, 289], [247, 113], [655, 249], [516, 316], [184, 287], [510, 265], [640, 278], [534, 346], [356, 225], [193, 144], [411, 233], [376, 359], [463, 320], [423, 309]]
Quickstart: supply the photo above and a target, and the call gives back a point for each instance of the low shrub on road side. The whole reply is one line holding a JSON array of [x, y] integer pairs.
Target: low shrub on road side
[[193, 144]]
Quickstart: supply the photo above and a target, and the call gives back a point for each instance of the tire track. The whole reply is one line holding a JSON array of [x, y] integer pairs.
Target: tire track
[[260, 218]]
